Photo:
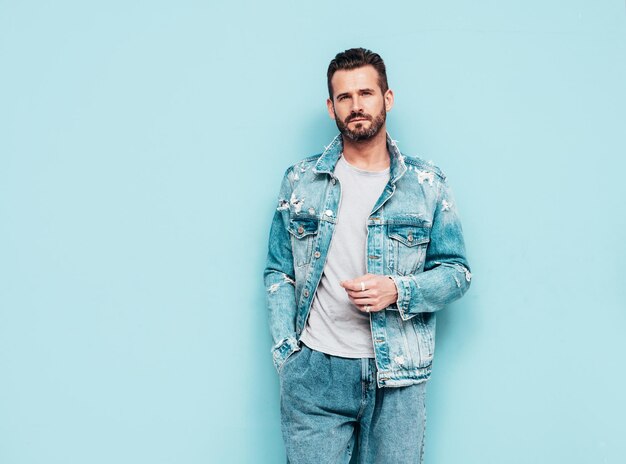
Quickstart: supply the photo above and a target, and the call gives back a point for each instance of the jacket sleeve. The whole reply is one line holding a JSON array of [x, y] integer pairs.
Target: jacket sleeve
[[446, 276], [279, 279]]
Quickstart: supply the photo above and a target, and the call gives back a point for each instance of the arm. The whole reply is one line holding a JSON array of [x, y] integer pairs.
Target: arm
[[279, 278], [446, 275]]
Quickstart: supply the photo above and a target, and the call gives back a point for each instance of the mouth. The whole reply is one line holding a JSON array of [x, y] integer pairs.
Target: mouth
[[358, 120]]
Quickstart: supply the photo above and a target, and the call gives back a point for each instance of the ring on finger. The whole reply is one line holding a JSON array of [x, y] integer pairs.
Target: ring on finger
[[362, 286], [367, 308]]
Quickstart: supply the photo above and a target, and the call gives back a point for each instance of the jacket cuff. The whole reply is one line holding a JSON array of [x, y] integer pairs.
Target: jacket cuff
[[404, 295], [282, 350]]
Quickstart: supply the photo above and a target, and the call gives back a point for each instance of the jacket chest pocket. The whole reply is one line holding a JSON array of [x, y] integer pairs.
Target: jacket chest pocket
[[407, 247], [303, 232]]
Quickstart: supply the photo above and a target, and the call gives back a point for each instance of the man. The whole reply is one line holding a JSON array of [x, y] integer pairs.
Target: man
[[365, 246]]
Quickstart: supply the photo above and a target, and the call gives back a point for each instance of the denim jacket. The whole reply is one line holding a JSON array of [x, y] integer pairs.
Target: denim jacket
[[413, 235]]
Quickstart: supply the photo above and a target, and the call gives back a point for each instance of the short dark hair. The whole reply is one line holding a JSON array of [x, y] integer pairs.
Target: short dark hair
[[357, 58]]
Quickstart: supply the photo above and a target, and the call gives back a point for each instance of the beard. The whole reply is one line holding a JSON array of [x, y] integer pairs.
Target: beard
[[360, 132]]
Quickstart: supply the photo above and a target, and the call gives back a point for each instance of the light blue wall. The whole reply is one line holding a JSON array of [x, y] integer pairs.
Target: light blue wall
[[141, 150]]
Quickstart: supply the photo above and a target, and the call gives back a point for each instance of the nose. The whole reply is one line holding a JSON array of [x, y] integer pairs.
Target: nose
[[357, 107]]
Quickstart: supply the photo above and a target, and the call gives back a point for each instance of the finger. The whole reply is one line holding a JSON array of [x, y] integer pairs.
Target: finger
[[372, 308], [355, 284], [361, 299], [357, 293], [364, 301], [360, 294], [351, 285]]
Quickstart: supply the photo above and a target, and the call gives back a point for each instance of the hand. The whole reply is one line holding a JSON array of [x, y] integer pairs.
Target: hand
[[380, 291]]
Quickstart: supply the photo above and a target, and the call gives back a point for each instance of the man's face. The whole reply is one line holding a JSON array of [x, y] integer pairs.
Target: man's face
[[358, 107]]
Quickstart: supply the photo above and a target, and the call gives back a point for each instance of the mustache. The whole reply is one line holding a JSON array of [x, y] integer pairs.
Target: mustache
[[358, 116]]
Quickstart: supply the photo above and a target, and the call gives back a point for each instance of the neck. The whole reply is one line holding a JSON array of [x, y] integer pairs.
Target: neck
[[371, 154]]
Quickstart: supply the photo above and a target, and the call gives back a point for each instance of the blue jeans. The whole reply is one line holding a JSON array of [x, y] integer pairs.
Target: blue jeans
[[329, 404]]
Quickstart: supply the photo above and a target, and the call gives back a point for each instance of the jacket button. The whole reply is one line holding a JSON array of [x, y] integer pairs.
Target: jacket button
[[317, 254], [333, 181], [306, 293], [329, 212], [410, 237], [301, 230]]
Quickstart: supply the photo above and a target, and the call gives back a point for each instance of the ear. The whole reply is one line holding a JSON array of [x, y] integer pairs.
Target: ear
[[388, 99], [331, 108]]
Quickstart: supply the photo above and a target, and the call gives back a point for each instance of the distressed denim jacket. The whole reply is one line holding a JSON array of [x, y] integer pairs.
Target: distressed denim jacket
[[413, 235]]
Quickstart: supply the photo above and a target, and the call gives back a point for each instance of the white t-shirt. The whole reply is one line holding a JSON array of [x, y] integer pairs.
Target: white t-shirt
[[335, 326]]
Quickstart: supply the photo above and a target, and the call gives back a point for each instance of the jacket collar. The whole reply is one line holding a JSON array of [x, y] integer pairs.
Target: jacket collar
[[327, 161]]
